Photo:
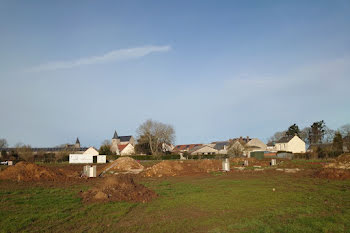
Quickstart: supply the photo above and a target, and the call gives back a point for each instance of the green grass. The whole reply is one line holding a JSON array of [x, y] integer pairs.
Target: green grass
[[216, 203]]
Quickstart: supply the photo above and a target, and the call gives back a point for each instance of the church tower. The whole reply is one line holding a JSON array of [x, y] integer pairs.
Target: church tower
[[115, 142]]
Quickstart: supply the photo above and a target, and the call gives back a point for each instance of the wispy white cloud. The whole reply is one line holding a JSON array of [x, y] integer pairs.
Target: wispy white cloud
[[115, 55]]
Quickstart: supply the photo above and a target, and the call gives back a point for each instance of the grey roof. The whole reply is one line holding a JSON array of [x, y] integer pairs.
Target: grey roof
[[115, 136], [196, 148], [124, 138], [77, 141], [221, 145], [270, 144], [285, 139]]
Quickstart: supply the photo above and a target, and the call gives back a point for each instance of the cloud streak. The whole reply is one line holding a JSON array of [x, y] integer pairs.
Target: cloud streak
[[115, 55]]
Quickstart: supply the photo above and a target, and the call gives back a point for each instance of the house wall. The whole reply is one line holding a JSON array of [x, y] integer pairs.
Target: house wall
[[281, 147], [128, 150], [86, 158], [296, 145]]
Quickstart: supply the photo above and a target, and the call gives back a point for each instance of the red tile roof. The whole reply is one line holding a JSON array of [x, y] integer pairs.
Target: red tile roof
[[121, 147]]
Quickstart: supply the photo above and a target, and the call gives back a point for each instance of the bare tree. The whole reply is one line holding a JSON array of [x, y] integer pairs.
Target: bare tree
[[328, 135], [345, 130], [304, 134], [277, 136], [156, 133], [3, 143], [25, 152], [235, 148]]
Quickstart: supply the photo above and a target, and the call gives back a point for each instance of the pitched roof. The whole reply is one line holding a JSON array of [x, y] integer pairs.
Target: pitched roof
[[115, 136], [221, 145], [122, 147], [77, 141], [200, 147], [285, 139], [270, 144], [124, 138]]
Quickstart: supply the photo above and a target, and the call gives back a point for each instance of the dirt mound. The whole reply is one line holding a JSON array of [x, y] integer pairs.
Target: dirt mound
[[332, 173], [24, 171], [175, 168], [342, 162], [123, 164], [118, 188], [344, 158]]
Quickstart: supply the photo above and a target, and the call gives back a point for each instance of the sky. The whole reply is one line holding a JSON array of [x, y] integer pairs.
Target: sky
[[214, 70]]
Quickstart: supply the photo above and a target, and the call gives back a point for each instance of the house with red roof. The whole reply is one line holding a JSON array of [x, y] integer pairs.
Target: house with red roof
[[126, 149]]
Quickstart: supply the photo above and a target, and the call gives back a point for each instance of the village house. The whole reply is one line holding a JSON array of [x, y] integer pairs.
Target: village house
[[126, 149], [290, 144], [246, 145]]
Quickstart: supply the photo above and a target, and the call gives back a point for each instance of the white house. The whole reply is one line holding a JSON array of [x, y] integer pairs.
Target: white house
[[126, 149], [291, 144]]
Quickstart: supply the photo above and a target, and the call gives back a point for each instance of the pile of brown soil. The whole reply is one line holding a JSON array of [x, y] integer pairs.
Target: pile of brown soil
[[175, 168], [344, 158], [118, 188], [24, 171], [342, 162], [332, 173], [125, 164]]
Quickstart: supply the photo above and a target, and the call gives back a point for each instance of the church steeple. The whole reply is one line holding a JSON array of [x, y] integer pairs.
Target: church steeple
[[115, 136], [77, 143]]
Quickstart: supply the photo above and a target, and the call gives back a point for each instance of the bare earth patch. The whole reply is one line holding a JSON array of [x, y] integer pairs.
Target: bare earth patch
[[118, 188]]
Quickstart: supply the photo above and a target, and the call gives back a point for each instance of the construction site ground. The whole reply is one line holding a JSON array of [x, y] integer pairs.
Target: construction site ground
[[179, 196]]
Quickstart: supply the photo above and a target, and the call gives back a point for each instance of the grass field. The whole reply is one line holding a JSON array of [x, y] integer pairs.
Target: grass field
[[211, 203]]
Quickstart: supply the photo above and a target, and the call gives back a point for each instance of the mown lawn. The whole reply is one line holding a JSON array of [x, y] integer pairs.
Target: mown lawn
[[216, 203]]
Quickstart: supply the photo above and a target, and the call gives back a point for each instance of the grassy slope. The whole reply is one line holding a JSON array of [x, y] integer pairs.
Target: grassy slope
[[211, 204]]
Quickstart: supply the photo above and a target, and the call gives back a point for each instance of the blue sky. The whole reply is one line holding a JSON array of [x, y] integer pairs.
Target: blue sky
[[213, 69]]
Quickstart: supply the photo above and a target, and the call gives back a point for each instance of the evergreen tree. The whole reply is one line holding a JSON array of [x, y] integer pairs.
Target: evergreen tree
[[317, 132], [293, 130]]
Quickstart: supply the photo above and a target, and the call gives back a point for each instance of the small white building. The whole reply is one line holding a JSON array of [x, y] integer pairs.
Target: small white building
[[89, 156], [291, 144]]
